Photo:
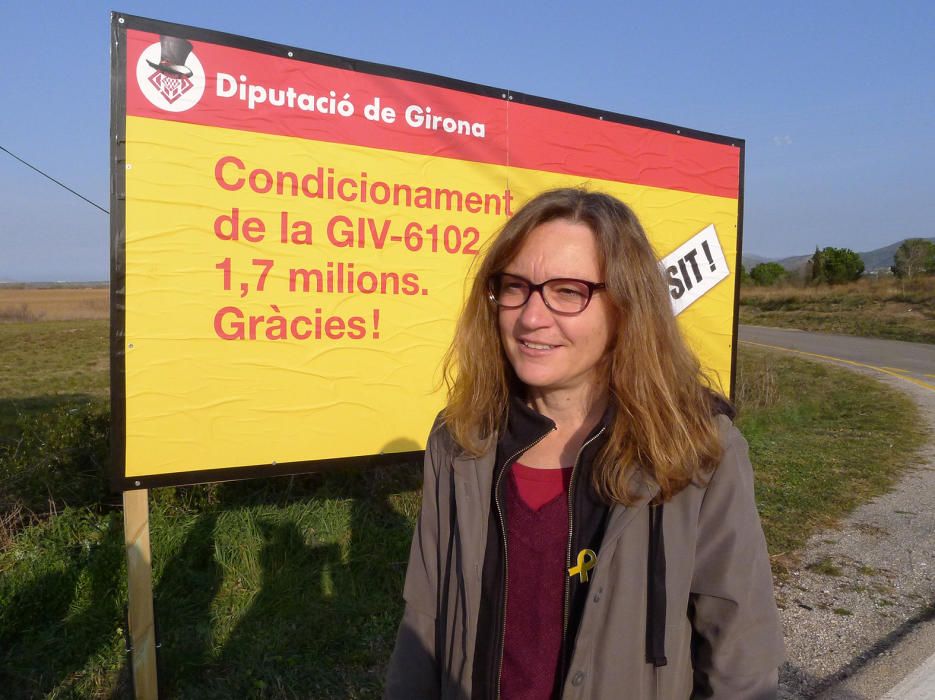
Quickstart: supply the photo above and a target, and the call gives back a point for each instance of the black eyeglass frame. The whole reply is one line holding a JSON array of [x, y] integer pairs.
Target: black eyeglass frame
[[494, 280]]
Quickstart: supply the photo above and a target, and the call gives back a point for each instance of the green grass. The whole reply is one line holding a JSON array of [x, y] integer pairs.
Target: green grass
[[291, 587], [822, 439], [826, 567], [47, 364], [261, 589]]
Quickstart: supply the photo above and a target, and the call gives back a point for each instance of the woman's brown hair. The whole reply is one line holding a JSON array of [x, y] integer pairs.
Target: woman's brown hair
[[664, 426]]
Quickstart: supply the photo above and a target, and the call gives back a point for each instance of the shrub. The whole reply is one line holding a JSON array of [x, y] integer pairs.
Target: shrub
[[767, 274], [835, 265], [61, 458]]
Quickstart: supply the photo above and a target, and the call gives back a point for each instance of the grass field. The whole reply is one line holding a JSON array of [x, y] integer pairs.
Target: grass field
[[882, 308], [50, 363], [291, 587], [59, 303]]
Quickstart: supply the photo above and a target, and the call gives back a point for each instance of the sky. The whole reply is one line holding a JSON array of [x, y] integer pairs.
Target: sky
[[835, 100]]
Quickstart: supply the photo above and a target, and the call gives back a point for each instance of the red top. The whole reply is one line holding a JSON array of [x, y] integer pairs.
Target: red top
[[537, 536], [537, 487]]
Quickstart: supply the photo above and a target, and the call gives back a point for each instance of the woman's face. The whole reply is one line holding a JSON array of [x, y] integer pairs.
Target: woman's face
[[549, 351]]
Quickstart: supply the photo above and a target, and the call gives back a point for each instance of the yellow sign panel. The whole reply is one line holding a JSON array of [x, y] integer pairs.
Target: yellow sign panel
[[291, 278]]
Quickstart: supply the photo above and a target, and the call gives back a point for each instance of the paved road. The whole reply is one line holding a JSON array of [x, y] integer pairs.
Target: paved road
[[912, 362]]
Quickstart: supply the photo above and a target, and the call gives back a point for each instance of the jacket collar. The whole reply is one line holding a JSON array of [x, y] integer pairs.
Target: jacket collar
[[524, 426]]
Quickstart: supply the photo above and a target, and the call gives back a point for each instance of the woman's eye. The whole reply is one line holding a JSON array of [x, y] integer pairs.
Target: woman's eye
[[570, 292]]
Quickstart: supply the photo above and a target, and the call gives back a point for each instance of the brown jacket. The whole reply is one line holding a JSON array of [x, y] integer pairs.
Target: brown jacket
[[722, 632]]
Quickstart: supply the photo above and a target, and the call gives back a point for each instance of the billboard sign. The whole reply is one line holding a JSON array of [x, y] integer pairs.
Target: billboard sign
[[292, 232]]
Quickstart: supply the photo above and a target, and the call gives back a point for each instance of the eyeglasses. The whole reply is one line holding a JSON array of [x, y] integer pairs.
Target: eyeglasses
[[564, 296]]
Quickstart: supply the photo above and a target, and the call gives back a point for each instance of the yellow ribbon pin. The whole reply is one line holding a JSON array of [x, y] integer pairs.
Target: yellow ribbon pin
[[587, 559]]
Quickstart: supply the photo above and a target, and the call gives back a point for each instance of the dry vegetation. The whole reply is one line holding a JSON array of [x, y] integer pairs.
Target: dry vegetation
[[884, 308], [54, 303]]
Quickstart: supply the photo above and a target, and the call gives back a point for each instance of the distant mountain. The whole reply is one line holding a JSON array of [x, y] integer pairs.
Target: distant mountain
[[882, 258], [791, 263], [795, 262], [874, 260], [751, 261]]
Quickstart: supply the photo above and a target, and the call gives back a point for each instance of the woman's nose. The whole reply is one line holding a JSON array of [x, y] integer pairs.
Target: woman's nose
[[535, 312]]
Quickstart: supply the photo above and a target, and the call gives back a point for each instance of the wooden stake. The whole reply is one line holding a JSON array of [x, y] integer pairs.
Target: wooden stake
[[140, 593]]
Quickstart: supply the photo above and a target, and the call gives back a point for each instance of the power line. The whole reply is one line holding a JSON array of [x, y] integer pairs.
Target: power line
[[60, 184]]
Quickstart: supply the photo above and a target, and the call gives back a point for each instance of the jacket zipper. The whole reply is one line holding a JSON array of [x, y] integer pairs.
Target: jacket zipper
[[571, 528], [505, 560]]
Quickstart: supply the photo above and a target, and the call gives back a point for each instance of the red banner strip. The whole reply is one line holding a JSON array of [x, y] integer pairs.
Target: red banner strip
[[256, 92]]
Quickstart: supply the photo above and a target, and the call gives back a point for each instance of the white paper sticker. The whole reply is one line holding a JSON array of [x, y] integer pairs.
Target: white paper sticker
[[694, 268]]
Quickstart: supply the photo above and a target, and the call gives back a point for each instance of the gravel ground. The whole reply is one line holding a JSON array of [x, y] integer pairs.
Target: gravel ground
[[865, 586]]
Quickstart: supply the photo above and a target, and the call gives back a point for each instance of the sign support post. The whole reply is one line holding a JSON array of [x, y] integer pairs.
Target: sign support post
[[140, 593]]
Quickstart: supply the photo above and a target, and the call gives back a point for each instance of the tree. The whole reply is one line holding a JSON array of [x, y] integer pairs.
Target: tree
[[816, 272], [916, 256], [744, 275], [835, 265], [767, 274]]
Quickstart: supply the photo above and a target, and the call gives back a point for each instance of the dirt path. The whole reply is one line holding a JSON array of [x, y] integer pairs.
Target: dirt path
[[864, 587]]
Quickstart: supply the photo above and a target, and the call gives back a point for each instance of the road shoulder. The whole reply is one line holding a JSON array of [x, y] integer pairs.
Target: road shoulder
[[864, 587]]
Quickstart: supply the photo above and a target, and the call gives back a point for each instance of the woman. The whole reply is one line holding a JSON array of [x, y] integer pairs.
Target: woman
[[588, 528]]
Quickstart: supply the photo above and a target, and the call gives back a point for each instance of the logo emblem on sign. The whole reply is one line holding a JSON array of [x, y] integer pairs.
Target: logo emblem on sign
[[170, 74]]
